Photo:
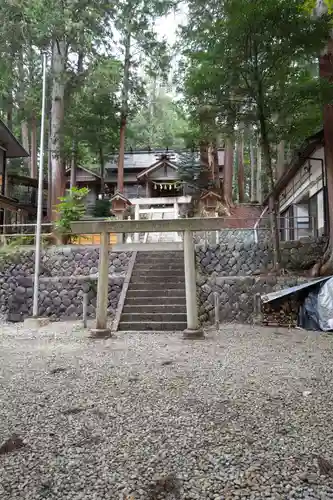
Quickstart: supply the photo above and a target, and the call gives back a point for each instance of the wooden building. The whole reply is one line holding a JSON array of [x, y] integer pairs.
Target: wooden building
[[147, 174], [18, 193], [301, 192]]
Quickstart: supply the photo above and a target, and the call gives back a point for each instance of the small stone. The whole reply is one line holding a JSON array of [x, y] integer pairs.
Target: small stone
[[307, 393]]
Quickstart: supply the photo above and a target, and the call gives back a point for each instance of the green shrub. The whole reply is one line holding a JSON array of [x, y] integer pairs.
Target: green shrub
[[102, 208], [70, 209]]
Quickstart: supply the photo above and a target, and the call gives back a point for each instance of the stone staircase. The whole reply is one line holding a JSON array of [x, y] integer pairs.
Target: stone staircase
[[162, 237], [155, 298]]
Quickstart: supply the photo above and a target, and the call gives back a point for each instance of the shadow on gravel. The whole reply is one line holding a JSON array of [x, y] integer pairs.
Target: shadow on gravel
[[12, 444], [163, 486]]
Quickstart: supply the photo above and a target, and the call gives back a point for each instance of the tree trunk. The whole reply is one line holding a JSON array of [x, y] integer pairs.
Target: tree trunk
[[272, 205], [26, 142], [124, 109], [204, 160], [10, 111], [326, 71], [240, 173], [102, 171], [72, 181], [281, 157], [33, 160], [216, 167], [213, 165], [57, 119], [258, 177], [20, 97], [75, 141], [49, 171], [228, 171], [253, 168]]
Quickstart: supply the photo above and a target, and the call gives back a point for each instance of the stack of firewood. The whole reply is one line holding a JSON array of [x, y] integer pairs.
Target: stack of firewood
[[283, 312]]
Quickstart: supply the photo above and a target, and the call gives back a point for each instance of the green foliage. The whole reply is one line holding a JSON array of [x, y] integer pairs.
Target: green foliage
[[82, 33], [102, 208], [71, 208], [160, 124], [251, 63], [190, 168], [91, 119]]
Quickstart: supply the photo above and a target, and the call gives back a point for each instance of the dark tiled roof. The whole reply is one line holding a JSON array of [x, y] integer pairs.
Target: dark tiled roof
[[139, 160], [12, 145]]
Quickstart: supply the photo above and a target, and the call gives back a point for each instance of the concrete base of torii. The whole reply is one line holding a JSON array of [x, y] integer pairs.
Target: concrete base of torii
[[193, 334], [100, 333]]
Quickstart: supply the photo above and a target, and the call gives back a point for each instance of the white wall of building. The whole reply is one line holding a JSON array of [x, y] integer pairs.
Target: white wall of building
[[307, 183], [320, 207], [308, 180]]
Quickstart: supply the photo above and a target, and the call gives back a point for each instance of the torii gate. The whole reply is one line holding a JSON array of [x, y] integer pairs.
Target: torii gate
[[186, 226]]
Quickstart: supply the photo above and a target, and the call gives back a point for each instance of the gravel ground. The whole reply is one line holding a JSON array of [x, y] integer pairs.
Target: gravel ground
[[244, 413]]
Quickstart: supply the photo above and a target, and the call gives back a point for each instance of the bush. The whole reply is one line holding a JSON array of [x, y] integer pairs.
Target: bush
[[70, 209], [102, 208]]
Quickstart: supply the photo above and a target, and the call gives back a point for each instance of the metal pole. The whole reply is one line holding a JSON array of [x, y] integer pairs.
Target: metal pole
[[40, 197], [217, 309]]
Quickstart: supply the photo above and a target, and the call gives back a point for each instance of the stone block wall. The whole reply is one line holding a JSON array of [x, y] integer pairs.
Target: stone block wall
[[237, 295], [242, 256], [238, 268], [66, 274]]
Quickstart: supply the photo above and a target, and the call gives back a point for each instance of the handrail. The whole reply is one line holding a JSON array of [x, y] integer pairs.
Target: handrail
[[255, 227]]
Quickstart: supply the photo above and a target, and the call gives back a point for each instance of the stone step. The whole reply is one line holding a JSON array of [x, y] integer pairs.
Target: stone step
[[152, 258], [141, 326], [138, 300], [154, 308], [158, 272], [159, 265], [167, 277], [157, 286], [150, 292], [154, 317], [162, 255]]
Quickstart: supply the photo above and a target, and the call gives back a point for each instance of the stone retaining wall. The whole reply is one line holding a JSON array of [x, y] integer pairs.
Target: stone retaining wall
[[66, 273], [69, 261], [238, 269], [237, 295], [241, 256]]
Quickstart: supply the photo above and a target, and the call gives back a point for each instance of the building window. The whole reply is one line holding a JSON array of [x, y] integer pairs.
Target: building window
[[317, 214], [287, 231], [313, 214]]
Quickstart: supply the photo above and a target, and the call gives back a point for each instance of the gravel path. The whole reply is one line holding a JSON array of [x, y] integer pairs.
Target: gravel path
[[241, 415]]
